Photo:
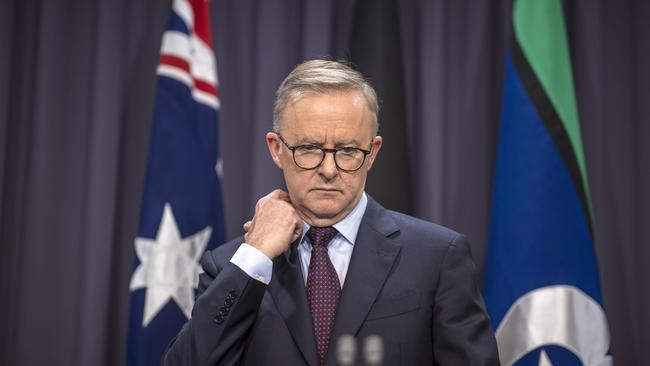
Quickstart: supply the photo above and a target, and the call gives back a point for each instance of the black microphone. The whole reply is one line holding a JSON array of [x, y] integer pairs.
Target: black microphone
[[373, 350], [346, 350]]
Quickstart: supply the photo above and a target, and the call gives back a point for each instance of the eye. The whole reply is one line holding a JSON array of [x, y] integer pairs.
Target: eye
[[348, 151], [308, 149]]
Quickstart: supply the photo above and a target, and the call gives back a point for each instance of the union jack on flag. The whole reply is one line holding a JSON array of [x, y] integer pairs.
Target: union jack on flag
[[181, 214]]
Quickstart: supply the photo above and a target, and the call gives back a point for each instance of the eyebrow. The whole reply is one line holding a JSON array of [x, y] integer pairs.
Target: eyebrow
[[350, 142], [310, 141]]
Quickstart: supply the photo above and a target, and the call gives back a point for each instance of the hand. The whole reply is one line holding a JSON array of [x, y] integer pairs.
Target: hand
[[275, 226]]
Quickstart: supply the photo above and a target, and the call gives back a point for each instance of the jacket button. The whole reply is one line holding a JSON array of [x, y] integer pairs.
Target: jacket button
[[229, 302], [219, 319], [223, 311], [232, 293]]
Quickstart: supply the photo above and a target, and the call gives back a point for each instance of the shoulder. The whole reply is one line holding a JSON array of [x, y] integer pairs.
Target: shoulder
[[411, 232], [428, 240], [396, 224], [413, 227]]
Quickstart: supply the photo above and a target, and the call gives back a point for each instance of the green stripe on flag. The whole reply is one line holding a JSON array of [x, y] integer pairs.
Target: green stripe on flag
[[540, 31]]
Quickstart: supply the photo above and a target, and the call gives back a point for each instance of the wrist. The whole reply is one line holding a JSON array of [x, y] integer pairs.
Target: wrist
[[262, 248], [255, 263]]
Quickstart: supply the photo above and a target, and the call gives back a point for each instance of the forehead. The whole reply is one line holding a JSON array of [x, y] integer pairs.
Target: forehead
[[335, 115]]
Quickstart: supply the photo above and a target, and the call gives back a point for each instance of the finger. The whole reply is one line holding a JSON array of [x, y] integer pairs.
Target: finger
[[275, 193], [286, 198], [280, 194], [296, 234], [297, 230], [248, 225]]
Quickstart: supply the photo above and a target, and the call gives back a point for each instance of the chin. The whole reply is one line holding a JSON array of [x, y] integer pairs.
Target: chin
[[325, 210]]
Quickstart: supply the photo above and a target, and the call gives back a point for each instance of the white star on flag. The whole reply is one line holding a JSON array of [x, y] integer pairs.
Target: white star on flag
[[169, 267]]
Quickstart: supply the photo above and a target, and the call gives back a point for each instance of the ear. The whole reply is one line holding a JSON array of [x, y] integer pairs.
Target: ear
[[275, 145], [376, 146]]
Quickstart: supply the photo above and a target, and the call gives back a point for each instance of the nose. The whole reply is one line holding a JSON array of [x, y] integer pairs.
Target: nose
[[328, 167]]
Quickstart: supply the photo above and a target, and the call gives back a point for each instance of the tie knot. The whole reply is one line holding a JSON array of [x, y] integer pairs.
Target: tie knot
[[321, 235]]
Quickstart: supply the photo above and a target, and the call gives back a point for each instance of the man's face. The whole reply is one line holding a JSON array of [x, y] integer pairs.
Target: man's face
[[325, 195]]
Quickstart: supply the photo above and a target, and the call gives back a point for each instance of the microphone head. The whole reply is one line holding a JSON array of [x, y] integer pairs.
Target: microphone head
[[373, 350], [346, 350]]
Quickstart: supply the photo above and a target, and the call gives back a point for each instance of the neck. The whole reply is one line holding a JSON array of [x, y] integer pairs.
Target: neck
[[319, 221]]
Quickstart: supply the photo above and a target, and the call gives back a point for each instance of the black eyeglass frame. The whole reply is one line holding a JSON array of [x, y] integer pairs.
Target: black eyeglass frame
[[325, 151]]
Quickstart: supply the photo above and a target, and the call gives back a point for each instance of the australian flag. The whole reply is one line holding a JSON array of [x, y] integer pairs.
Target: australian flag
[[181, 214]]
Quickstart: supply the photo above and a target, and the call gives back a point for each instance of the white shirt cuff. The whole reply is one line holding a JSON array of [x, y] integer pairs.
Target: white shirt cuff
[[253, 262]]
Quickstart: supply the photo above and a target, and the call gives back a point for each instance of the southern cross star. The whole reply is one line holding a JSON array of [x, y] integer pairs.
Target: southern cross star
[[168, 267]]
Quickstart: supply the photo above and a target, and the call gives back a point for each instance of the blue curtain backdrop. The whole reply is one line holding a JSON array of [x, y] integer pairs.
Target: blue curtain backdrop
[[76, 101]]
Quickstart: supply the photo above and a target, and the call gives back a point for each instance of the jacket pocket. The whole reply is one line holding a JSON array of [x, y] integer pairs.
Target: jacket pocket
[[395, 305]]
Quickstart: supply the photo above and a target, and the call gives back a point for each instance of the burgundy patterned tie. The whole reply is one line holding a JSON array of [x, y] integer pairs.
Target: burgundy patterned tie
[[323, 287]]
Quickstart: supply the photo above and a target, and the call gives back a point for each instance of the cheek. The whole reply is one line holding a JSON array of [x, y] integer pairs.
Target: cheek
[[297, 181], [353, 183], [286, 160]]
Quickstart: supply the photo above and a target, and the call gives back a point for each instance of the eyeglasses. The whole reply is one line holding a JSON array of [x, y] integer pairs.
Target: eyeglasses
[[348, 159]]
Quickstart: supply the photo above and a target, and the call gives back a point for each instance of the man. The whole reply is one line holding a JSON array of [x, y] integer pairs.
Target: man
[[324, 259]]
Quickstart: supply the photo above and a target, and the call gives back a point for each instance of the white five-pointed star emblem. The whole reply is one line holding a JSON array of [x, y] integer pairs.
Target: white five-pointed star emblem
[[169, 266]]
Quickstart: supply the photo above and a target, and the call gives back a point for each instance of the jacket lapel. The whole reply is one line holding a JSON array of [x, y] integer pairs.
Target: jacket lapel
[[372, 259], [287, 287]]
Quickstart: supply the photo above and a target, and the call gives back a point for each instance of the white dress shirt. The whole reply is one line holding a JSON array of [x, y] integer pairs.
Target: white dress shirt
[[260, 267]]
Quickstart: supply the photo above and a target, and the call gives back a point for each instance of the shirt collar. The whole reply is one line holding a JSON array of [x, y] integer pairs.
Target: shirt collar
[[349, 226]]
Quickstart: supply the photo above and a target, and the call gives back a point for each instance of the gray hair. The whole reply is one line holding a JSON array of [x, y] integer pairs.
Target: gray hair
[[320, 77]]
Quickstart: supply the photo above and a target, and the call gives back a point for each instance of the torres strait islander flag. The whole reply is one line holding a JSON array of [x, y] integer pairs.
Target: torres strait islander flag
[[542, 287], [181, 214]]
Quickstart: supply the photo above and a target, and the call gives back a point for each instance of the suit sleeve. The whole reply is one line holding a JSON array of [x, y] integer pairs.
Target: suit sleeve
[[222, 318], [462, 332]]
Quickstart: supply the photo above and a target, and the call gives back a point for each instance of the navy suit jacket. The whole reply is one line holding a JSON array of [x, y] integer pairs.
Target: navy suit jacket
[[409, 281]]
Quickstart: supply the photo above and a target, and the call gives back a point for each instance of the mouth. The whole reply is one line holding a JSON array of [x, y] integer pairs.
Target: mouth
[[326, 190]]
